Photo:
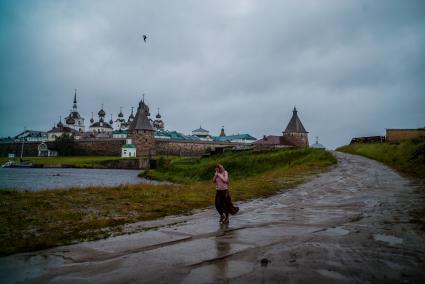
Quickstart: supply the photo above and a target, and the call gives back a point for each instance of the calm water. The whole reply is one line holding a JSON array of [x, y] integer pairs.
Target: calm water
[[33, 179]]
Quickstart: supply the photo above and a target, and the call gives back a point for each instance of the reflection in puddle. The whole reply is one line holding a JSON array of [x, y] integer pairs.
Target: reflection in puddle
[[215, 272], [331, 274], [337, 231], [16, 269], [388, 239]]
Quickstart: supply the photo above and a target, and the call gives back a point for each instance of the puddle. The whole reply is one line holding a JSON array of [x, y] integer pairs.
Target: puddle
[[338, 231], [388, 239], [20, 269], [218, 271], [331, 274]]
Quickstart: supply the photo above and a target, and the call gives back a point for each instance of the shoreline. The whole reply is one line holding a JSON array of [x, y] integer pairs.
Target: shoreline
[[83, 162]]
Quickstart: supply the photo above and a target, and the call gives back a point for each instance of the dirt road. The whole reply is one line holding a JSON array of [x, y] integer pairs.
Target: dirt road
[[349, 225]]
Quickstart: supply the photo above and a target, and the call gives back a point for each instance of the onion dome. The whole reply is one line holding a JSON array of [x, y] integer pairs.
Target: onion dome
[[75, 115], [91, 119], [70, 120], [158, 115], [111, 121], [60, 123], [131, 117], [120, 115], [101, 112]]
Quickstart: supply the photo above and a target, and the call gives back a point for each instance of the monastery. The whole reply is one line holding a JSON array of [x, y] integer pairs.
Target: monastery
[[139, 135]]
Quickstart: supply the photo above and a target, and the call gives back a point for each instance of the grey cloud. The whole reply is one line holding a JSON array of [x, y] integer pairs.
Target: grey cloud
[[350, 67]]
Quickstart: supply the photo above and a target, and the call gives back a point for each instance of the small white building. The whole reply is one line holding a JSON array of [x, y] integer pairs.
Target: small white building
[[128, 150], [43, 151], [317, 145]]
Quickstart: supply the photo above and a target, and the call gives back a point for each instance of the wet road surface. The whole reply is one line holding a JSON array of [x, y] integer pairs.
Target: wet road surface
[[349, 225]]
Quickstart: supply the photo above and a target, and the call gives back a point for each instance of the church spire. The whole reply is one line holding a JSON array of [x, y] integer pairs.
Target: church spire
[[75, 99]]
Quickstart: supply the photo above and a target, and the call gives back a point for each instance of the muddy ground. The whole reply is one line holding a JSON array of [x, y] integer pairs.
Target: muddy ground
[[349, 225]]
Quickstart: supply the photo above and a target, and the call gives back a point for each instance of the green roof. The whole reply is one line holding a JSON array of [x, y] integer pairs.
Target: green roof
[[120, 132], [234, 137], [129, 146], [174, 135]]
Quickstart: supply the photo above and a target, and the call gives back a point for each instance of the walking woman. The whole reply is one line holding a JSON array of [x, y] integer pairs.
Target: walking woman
[[223, 201]]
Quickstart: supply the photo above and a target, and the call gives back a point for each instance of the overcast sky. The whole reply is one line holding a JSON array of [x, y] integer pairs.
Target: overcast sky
[[352, 68]]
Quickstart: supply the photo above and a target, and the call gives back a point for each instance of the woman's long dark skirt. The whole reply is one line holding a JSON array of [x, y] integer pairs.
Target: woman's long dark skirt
[[223, 203]]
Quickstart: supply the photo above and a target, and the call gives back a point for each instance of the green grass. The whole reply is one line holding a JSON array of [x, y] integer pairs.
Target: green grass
[[240, 165], [407, 157], [38, 220], [75, 161]]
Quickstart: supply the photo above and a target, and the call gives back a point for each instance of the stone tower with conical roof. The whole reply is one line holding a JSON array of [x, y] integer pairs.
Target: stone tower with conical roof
[[295, 132], [141, 132]]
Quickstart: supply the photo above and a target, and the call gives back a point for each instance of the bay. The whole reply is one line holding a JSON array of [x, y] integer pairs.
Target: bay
[[36, 179]]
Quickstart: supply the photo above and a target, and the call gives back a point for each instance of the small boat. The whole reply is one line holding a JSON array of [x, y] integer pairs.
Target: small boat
[[12, 164]]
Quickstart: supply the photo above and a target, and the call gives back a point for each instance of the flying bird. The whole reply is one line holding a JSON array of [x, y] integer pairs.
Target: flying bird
[[145, 37]]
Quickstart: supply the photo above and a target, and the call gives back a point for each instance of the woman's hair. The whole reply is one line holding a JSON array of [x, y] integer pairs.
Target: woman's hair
[[220, 166]]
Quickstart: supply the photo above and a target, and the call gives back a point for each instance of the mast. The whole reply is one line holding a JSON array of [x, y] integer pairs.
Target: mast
[[22, 148]]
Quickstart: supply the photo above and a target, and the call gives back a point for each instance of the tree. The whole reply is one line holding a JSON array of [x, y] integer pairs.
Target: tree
[[65, 145]]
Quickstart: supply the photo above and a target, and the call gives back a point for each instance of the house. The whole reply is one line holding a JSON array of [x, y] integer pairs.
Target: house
[[32, 136], [397, 135], [272, 141]]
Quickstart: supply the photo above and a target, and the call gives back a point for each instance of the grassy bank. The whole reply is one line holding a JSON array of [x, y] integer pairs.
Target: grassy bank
[[407, 157], [75, 161], [240, 165], [38, 220]]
